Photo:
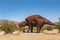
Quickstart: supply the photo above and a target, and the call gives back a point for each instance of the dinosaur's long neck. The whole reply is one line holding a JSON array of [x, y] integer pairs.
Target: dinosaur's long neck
[[49, 22]]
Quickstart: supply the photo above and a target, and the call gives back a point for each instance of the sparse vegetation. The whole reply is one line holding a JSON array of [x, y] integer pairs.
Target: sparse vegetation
[[9, 27], [49, 28], [43, 29], [58, 25]]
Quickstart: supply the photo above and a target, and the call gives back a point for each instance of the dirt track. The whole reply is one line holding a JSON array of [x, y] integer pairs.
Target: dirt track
[[30, 36]]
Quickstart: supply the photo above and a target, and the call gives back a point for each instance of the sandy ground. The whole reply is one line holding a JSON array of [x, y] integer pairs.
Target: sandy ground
[[52, 35], [30, 36]]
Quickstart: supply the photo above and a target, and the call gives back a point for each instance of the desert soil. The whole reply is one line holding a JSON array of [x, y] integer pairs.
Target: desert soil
[[31, 36]]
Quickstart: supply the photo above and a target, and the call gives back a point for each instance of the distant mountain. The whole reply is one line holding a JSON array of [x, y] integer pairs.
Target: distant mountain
[[2, 21]]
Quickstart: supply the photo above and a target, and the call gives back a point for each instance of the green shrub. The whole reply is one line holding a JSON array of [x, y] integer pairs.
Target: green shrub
[[23, 29], [58, 27], [43, 29], [9, 27], [49, 28]]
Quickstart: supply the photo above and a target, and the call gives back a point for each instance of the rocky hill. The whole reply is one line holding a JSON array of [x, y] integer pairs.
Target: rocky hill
[[2, 21]]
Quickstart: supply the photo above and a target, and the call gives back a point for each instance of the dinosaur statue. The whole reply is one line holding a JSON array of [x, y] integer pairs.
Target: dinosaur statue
[[38, 21]]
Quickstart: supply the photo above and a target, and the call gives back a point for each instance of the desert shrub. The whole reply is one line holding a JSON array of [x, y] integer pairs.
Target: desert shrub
[[43, 29], [23, 29], [58, 27], [9, 27], [49, 28]]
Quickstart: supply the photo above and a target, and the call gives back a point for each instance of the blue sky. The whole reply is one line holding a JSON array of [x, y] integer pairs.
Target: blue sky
[[18, 10]]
